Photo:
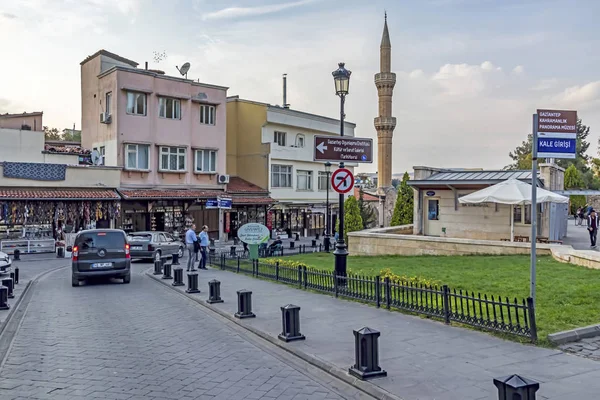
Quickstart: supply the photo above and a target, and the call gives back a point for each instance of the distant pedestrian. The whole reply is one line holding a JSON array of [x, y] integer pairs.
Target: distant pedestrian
[[203, 246], [593, 227], [190, 242]]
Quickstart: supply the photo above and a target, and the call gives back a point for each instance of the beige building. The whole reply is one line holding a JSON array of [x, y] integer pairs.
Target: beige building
[[25, 121], [437, 211]]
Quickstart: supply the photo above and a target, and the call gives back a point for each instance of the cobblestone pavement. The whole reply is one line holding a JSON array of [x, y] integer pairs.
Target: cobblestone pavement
[[588, 348], [138, 341]]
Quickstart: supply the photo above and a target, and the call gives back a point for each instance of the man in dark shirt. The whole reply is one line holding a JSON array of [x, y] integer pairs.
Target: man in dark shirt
[[593, 226]]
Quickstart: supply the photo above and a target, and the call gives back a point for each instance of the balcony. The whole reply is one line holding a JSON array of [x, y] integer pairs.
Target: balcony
[[385, 123]]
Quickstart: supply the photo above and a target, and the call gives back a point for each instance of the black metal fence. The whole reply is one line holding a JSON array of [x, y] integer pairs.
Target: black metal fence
[[238, 251], [481, 311]]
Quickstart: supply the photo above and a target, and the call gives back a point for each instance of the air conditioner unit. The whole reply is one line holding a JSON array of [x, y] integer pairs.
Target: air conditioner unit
[[223, 179], [105, 118]]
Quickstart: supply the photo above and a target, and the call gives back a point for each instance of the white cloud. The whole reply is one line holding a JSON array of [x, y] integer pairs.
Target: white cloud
[[518, 70], [580, 95], [240, 12]]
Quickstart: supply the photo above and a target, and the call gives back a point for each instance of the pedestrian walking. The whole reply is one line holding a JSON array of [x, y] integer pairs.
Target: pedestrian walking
[[203, 246], [191, 241], [593, 227]]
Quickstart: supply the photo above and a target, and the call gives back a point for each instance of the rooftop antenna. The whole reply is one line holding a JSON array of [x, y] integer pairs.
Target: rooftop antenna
[[184, 69]]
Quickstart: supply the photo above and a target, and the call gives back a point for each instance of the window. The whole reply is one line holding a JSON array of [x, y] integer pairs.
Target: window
[[172, 158], [136, 103], [304, 180], [137, 156], [169, 108], [279, 138], [323, 180], [206, 161], [522, 214], [433, 210], [207, 115], [108, 105], [100, 240], [299, 140], [281, 176], [102, 152]]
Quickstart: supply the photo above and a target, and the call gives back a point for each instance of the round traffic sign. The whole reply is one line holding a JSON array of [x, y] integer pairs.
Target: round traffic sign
[[342, 180]]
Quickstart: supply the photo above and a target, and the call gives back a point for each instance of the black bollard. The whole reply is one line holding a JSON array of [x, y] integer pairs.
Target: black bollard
[[317, 236], [60, 253], [9, 284], [314, 243], [232, 251], [167, 271], [12, 275], [17, 254], [366, 354], [297, 236], [290, 320], [4, 298], [178, 277], [16, 275], [244, 304], [192, 283], [176, 259], [292, 244], [157, 267], [214, 292], [326, 243], [516, 387]]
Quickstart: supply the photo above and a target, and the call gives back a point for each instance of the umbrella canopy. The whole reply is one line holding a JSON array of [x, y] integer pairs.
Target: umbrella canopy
[[511, 191]]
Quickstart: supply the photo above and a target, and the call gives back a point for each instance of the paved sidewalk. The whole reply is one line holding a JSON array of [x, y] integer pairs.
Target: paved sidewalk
[[425, 359]]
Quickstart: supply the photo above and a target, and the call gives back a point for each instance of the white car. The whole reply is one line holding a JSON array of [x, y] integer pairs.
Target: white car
[[5, 263]]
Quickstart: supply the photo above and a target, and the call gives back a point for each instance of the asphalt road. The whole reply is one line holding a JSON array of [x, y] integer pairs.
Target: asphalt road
[[140, 341]]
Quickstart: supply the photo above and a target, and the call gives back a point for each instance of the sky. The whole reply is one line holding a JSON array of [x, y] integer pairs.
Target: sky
[[470, 73]]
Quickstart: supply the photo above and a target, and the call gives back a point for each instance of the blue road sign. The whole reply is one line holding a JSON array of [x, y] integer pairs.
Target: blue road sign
[[552, 147]]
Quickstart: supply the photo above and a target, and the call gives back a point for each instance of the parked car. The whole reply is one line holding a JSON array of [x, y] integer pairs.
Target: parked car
[[5, 263], [151, 245], [100, 253]]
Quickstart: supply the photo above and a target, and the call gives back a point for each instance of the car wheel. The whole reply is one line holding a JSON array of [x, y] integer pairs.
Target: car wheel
[[180, 252], [127, 278], [157, 255], [74, 282]]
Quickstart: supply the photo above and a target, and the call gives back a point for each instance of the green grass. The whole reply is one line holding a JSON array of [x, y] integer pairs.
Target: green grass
[[568, 296]]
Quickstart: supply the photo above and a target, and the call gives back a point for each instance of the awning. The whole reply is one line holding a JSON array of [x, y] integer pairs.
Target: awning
[[58, 194], [166, 194], [252, 200]]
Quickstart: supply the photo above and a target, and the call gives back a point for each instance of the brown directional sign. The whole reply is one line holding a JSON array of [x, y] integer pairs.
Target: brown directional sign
[[343, 149], [557, 121]]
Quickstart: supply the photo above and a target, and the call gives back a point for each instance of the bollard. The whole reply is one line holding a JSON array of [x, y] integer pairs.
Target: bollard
[[244, 304], [290, 320], [60, 252], [4, 298], [317, 236], [9, 284], [17, 254], [214, 292], [178, 277], [12, 275], [314, 243], [366, 355], [157, 267], [297, 236], [326, 243], [516, 387], [16, 275], [167, 271], [232, 251], [176, 259], [192, 283], [292, 244]]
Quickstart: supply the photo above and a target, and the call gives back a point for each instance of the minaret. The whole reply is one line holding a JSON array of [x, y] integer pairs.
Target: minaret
[[385, 123]]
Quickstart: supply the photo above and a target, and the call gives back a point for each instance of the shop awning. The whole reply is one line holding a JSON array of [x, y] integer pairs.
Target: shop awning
[[166, 194], [58, 194]]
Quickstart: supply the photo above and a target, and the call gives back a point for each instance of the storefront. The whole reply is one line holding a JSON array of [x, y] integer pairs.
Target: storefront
[[34, 220], [250, 203], [305, 220]]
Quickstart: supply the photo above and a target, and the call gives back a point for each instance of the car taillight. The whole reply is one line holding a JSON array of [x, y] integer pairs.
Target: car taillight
[[75, 253], [127, 255], [150, 247]]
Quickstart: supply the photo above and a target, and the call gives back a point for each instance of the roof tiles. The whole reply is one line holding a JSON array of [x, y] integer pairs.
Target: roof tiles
[[58, 194]]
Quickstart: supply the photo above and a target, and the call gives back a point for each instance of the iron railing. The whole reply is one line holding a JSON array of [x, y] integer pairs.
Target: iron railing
[[440, 302]]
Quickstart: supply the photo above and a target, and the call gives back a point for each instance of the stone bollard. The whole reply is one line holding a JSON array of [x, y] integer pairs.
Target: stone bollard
[[292, 244], [214, 292], [157, 267], [192, 283], [178, 277], [17, 254], [176, 259], [167, 271], [516, 387], [16, 275], [9, 284], [366, 355], [4, 298], [290, 320], [244, 304]]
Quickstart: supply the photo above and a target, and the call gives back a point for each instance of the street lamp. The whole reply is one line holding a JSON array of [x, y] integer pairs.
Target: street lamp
[[341, 77], [327, 240]]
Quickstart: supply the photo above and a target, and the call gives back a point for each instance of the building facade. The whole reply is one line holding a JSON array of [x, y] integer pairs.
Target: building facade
[[273, 148], [25, 121]]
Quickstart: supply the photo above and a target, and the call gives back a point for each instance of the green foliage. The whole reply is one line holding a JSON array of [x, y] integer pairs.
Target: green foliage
[[573, 178], [352, 219], [577, 201], [52, 134], [366, 211], [67, 135], [404, 208]]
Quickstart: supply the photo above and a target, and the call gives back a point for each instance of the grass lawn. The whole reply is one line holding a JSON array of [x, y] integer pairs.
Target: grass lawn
[[568, 296]]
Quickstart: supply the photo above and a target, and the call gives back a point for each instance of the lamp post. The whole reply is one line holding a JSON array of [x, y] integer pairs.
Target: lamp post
[[327, 240], [341, 77]]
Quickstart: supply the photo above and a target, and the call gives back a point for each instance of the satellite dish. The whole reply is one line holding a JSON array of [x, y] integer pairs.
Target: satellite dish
[[96, 157], [184, 69]]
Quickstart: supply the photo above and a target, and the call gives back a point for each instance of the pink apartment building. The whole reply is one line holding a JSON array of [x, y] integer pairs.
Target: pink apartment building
[[168, 134], [25, 121]]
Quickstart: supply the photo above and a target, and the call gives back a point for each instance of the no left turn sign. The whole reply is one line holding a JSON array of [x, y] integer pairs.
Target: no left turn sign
[[342, 180]]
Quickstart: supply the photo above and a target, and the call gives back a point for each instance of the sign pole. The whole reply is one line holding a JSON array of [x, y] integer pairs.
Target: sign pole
[[341, 250], [534, 155]]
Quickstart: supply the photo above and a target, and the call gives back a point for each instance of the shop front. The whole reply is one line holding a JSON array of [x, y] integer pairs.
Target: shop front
[[36, 220], [305, 220], [249, 203]]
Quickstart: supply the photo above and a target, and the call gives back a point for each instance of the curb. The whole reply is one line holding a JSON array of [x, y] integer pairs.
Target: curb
[[15, 306], [364, 386], [575, 334]]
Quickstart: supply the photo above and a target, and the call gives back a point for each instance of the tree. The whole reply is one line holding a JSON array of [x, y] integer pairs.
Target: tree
[[404, 208], [352, 219], [70, 135], [574, 180], [52, 134], [366, 211]]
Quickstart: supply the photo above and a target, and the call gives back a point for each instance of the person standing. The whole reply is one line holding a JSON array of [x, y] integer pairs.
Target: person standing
[[593, 226], [190, 240], [203, 246]]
